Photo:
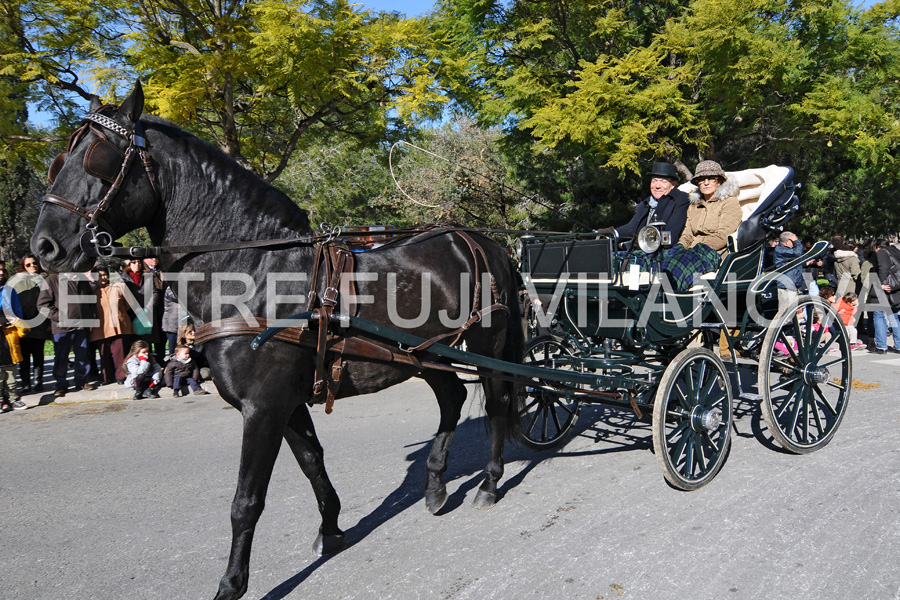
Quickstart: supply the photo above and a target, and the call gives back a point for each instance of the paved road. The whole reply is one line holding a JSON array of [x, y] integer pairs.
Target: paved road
[[120, 499]]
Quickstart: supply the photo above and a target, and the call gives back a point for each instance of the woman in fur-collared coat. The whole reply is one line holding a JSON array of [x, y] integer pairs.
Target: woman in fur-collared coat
[[714, 212]]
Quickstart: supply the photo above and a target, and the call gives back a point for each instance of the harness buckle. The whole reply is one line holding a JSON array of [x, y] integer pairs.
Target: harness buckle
[[330, 295], [138, 252]]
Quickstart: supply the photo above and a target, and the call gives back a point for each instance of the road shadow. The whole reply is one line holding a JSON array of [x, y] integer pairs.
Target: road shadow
[[748, 409], [611, 428]]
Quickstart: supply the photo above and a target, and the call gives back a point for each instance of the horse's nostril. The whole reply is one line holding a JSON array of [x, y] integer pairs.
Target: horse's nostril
[[46, 249]]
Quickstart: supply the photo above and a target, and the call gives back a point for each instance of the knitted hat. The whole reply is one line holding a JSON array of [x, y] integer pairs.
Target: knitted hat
[[708, 168]]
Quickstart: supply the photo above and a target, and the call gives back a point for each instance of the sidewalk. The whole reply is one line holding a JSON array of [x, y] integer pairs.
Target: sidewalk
[[103, 393]]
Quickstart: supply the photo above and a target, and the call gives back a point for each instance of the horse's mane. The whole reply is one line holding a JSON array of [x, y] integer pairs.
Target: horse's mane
[[231, 174]]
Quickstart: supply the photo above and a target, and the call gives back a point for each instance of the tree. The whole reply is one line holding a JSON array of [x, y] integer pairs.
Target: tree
[[20, 188], [254, 77], [614, 85]]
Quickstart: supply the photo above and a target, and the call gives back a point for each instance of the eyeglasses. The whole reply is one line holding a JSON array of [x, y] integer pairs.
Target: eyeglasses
[[31, 264], [705, 179]]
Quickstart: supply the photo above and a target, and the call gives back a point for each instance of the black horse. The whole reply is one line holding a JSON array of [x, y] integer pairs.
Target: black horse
[[189, 192]]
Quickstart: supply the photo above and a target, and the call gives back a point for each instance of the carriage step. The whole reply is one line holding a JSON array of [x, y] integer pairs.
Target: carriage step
[[749, 396]]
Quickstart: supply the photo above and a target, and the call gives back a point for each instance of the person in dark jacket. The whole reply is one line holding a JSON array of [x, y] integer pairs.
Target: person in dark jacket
[[828, 260], [791, 283], [27, 285], [69, 301], [182, 371], [886, 255], [666, 203]]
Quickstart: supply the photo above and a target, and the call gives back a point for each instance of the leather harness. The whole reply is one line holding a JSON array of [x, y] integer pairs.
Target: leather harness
[[336, 259]]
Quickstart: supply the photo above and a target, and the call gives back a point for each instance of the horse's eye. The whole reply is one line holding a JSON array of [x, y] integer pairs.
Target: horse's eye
[[56, 166]]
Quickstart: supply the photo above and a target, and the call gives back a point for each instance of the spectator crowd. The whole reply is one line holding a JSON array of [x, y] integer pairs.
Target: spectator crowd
[[140, 336]]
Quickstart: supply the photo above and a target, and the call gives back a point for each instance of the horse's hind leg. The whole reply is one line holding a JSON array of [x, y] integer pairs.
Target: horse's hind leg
[[302, 439], [497, 413], [451, 394], [263, 430]]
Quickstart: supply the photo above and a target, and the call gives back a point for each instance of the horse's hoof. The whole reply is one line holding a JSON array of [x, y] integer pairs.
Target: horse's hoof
[[485, 500], [435, 502], [328, 544]]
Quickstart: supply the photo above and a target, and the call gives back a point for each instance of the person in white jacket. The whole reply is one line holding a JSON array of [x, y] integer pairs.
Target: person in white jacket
[[142, 372]]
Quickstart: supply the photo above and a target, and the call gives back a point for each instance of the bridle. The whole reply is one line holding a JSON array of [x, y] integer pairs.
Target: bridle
[[99, 162]]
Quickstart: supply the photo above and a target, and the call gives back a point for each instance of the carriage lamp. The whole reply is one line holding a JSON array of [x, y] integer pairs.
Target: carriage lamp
[[649, 239], [652, 236]]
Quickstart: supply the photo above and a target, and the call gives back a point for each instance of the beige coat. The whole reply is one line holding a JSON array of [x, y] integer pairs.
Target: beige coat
[[112, 310], [711, 221]]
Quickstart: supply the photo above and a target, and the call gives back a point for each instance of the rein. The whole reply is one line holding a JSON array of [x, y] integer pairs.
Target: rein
[[157, 251]]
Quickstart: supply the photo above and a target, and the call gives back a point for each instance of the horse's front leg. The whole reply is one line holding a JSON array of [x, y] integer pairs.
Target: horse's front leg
[[263, 430], [302, 439], [451, 394]]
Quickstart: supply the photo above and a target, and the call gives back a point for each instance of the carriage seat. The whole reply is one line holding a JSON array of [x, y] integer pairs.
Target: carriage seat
[[767, 200]]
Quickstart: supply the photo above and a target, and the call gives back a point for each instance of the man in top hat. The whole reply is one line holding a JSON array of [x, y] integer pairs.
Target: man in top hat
[[666, 203]]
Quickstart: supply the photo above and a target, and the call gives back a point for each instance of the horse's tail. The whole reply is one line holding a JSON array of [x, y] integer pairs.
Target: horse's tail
[[512, 352]]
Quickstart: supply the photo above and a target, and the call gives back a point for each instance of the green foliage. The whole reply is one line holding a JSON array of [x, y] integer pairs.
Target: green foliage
[[571, 101], [20, 190]]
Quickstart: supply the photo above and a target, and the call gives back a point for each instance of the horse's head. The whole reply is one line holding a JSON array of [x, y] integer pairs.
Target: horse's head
[[102, 187]]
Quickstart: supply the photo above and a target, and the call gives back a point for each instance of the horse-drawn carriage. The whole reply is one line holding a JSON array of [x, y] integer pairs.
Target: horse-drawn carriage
[[623, 336], [652, 340]]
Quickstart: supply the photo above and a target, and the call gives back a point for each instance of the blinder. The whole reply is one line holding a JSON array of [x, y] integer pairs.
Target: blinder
[[102, 159], [56, 166]]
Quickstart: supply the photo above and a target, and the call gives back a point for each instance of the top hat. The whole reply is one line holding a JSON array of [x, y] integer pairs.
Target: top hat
[[664, 169]]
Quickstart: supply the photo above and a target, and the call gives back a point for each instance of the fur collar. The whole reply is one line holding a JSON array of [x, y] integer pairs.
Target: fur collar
[[727, 189]]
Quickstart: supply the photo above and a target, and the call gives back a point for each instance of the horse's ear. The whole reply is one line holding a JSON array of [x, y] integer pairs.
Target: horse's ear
[[95, 103], [133, 105]]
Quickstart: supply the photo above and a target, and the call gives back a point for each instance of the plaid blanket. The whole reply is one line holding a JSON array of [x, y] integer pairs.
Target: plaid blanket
[[678, 262]]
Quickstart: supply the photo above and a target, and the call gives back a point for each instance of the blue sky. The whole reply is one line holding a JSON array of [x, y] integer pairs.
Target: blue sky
[[412, 8]]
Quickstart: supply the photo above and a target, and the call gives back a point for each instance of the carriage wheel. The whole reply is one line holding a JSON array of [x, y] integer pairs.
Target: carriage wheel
[[547, 415], [804, 375], [692, 418]]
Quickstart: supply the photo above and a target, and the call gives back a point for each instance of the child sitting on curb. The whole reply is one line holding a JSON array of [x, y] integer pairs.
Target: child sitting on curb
[[846, 308], [142, 371], [182, 371]]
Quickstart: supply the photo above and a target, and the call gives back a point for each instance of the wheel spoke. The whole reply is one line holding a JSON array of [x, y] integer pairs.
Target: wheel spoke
[[564, 406], [701, 377], [670, 437], [555, 419], [838, 360], [792, 367], [706, 392], [688, 378], [530, 406], [817, 417], [795, 414], [534, 419], [790, 347], [836, 385], [682, 398], [785, 383], [787, 399], [806, 403], [688, 470], [825, 401]]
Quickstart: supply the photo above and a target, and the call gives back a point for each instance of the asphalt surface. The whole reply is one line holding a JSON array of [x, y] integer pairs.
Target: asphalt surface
[[107, 498]]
